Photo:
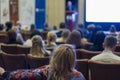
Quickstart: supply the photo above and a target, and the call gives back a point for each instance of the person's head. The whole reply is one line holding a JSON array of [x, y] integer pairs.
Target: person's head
[[74, 38], [99, 38], [62, 62], [35, 32], [113, 28], [8, 25], [69, 3], [1, 27], [110, 42], [65, 33], [51, 37], [12, 35], [32, 27], [62, 25], [47, 26], [37, 46]]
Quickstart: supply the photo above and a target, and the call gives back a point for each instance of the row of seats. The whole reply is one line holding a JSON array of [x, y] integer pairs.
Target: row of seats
[[18, 49], [21, 61], [92, 70]]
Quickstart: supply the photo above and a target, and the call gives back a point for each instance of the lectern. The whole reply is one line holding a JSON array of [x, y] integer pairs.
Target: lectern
[[69, 19]]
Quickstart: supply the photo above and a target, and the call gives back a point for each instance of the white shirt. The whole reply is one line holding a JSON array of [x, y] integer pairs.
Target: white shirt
[[107, 56]]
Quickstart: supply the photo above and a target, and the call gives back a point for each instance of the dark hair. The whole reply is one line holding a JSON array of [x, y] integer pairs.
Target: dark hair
[[8, 25], [62, 25], [1, 27], [35, 32], [12, 35], [99, 38]]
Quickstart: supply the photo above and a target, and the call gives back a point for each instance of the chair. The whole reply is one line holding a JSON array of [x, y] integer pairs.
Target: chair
[[87, 45], [14, 61], [35, 62], [9, 48], [1, 60], [104, 71], [117, 48], [82, 66], [3, 38], [23, 49], [86, 54]]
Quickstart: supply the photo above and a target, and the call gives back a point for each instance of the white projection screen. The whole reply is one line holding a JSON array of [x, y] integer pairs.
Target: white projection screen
[[102, 11]]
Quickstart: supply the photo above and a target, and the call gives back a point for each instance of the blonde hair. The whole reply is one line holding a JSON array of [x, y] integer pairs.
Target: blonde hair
[[37, 47], [51, 37], [62, 62]]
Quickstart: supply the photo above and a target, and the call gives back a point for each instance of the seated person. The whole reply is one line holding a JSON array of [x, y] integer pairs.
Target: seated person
[[13, 39], [64, 36], [51, 40], [107, 55], [98, 42], [75, 39], [29, 41], [61, 67], [37, 49]]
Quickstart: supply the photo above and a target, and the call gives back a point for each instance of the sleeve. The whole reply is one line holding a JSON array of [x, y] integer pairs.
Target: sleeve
[[36, 74]]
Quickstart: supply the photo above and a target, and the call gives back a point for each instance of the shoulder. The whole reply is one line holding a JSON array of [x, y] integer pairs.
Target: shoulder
[[76, 75]]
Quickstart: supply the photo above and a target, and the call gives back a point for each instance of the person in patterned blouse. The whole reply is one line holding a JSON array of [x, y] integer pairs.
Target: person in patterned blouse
[[61, 67]]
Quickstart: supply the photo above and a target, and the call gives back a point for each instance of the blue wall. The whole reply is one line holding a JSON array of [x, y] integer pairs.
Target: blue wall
[[40, 13]]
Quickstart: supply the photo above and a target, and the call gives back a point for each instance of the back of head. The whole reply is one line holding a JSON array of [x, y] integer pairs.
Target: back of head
[[51, 37], [35, 32], [1, 27], [110, 41], [65, 33], [74, 38], [37, 46], [99, 38], [8, 25], [62, 25], [12, 35], [62, 62], [32, 27]]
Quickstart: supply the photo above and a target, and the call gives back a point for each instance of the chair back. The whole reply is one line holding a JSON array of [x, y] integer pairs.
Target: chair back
[[86, 54], [14, 61], [35, 62], [104, 71], [1, 60], [9, 48], [82, 66]]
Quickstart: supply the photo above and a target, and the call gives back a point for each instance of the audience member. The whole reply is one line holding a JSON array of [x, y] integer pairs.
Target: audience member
[[12, 37], [51, 40], [75, 39], [98, 41], [29, 41], [107, 55], [1, 27], [37, 49], [95, 30], [61, 67], [62, 26], [46, 27], [32, 28], [65, 34], [8, 25]]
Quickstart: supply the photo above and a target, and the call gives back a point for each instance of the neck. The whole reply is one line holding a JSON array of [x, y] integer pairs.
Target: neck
[[110, 49]]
